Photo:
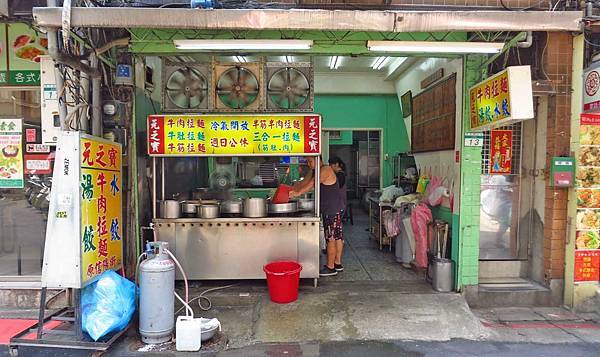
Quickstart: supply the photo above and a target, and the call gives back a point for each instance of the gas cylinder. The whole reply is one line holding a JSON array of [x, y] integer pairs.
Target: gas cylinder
[[157, 287]]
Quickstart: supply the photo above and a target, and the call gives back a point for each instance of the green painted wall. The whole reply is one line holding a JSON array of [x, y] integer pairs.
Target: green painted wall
[[345, 138], [366, 112], [467, 244]]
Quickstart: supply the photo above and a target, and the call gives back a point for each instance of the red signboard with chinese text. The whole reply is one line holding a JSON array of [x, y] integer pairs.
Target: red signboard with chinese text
[[38, 164], [30, 135], [220, 135], [500, 152], [587, 265]]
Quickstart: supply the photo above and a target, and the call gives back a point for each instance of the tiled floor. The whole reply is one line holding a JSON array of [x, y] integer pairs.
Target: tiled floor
[[362, 258]]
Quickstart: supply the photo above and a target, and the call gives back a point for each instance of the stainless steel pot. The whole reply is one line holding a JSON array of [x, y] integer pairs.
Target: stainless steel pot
[[231, 206], [283, 208], [169, 209], [201, 193], [254, 207], [208, 211], [189, 207], [306, 204]]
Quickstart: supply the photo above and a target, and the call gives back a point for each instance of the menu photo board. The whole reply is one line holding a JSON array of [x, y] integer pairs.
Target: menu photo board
[[24, 46], [224, 135], [11, 153], [502, 99], [587, 243]]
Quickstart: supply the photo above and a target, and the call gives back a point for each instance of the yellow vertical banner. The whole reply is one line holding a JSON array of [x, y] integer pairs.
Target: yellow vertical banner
[[101, 207]]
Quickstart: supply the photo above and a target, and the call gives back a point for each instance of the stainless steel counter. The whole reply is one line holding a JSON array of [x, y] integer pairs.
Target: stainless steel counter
[[238, 248], [236, 219]]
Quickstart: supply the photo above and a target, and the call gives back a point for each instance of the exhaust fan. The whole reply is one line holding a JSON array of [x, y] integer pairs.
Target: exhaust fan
[[289, 87], [186, 87], [238, 87]]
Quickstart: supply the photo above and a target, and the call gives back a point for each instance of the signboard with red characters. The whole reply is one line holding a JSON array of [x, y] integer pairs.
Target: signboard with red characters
[[85, 230], [230, 134], [500, 152], [504, 98]]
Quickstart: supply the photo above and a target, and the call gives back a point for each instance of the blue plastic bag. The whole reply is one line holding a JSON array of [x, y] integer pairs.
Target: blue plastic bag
[[107, 304]]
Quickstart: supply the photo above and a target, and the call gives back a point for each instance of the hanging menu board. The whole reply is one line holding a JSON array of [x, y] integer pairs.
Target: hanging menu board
[[434, 117], [223, 134], [587, 253]]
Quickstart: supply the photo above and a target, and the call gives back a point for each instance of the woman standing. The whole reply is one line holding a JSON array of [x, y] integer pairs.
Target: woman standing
[[339, 167], [331, 206]]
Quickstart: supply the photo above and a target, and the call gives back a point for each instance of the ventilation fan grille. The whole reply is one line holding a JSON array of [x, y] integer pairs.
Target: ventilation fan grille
[[186, 87], [289, 87], [238, 87]]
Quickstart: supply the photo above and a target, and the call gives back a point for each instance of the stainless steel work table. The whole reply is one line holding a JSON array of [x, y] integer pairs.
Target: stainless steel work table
[[238, 248]]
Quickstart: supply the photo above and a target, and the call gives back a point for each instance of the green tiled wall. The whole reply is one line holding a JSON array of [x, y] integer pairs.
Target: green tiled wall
[[467, 252]]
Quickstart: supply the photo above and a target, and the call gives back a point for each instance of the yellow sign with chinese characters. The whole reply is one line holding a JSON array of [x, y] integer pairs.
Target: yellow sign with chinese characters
[[101, 210], [490, 101], [501, 99], [206, 135]]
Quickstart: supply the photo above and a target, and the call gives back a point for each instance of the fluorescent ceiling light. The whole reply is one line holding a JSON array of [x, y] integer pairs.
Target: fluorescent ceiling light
[[434, 47], [334, 62], [232, 45], [380, 62]]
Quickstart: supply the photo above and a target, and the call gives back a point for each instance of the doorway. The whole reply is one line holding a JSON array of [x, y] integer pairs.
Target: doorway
[[500, 195], [361, 151]]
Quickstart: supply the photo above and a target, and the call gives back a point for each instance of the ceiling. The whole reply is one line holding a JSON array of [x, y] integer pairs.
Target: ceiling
[[321, 63]]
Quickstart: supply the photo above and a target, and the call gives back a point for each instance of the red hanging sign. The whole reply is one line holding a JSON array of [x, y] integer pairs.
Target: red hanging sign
[[500, 152], [587, 265], [30, 135]]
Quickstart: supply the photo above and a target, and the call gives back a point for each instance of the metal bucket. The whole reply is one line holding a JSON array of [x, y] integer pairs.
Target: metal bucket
[[442, 275]]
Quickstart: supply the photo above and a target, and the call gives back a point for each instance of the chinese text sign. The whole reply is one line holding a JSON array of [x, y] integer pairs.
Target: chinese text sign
[[490, 101], [587, 265], [198, 135], [501, 152], [101, 213]]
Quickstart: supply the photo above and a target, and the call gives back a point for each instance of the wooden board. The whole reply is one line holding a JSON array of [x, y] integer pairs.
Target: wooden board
[[434, 117]]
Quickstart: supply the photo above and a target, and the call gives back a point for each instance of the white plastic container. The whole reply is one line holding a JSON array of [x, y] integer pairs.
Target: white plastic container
[[188, 331]]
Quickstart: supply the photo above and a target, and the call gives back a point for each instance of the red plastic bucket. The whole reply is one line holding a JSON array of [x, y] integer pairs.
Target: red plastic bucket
[[283, 279]]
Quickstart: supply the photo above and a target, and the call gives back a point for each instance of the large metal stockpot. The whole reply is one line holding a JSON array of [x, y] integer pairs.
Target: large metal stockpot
[[169, 209], [255, 207], [283, 208], [210, 210], [189, 208], [231, 207], [306, 204]]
